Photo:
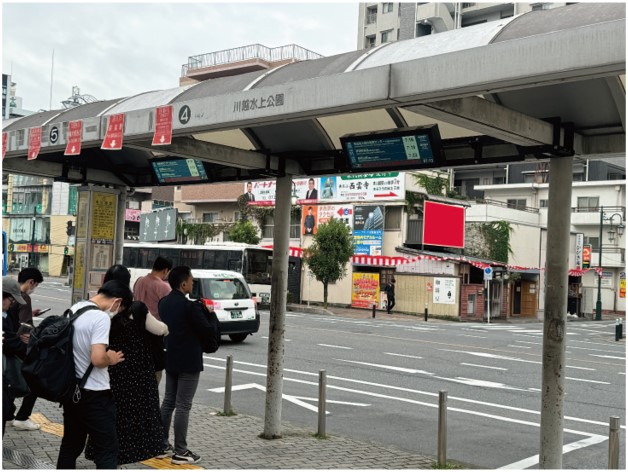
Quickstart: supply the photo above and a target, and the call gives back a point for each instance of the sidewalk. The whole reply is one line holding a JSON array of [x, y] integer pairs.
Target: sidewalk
[[223, 443]]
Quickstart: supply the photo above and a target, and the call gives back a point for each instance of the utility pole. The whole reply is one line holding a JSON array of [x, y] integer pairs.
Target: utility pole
[[278, 298], [598, 304], [557, 278], [31, 256]]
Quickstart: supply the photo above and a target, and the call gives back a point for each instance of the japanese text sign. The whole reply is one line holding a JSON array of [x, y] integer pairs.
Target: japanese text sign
[[115, 132], [34, 143], [163, 126], [75, 131]]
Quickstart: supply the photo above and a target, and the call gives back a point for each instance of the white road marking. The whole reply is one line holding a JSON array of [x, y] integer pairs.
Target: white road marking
[[580, 368], [621, 373], [520, 347], [483, 366], [473, 336], [535, 389], [389, 367], [530, 461], [402, 355], [590, 381], [608, 357], [401, 389], [334, 346]]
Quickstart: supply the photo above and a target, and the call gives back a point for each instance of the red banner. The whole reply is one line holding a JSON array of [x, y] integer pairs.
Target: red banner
[[75, 135], [4, 144], [34, 143], [115, 132], [443, 225], [163, 126]]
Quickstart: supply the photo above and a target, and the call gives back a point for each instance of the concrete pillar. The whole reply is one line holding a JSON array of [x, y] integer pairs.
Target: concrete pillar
[[120, 215], [278, 298], [557, 278]]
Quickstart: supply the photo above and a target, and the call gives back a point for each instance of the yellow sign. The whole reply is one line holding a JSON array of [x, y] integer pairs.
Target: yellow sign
[[103, 217], [79, 265], [622, 288], [82, 214], [365, 292]]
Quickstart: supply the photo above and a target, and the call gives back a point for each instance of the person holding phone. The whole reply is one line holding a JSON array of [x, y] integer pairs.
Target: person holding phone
[[29, 279]]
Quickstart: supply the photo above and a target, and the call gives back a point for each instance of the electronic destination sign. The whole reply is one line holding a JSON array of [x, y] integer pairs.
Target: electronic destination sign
[[179, 171], [406, 148]]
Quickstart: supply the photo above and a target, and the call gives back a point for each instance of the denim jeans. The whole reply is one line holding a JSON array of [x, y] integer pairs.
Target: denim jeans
[[180, 391], [94, 414]]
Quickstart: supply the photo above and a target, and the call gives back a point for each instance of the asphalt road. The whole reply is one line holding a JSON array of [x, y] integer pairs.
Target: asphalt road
[[384, 376]]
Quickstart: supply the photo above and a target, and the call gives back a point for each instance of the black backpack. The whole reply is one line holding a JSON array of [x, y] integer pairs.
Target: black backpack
[[49, 364]]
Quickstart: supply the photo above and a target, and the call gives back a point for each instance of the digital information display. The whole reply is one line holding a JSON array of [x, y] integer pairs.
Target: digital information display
[[413, 148], [171, 171]]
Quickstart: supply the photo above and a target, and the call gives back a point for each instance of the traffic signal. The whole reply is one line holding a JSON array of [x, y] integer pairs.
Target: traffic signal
[[65, 250], [70, 229]]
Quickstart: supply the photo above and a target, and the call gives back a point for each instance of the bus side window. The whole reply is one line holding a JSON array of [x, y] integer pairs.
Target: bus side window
[[173, 256], [221, 260], [209, 259], [129, 256]]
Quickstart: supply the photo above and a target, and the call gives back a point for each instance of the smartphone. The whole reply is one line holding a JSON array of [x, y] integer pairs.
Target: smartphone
[[24, 328], [45, 310]]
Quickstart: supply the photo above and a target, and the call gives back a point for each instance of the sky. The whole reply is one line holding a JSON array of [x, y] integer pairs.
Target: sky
[[113, 50]]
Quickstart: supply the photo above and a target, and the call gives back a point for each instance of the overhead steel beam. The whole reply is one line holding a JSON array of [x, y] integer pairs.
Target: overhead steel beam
[[220, 154], [54, 170], [488, 118]]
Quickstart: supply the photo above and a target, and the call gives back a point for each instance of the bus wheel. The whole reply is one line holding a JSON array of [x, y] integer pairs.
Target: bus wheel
[[238, 337]]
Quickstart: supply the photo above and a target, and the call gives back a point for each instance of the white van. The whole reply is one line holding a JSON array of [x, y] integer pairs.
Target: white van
[[227, 294]]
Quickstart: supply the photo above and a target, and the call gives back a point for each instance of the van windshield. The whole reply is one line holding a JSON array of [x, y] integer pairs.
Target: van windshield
[[225, 289]]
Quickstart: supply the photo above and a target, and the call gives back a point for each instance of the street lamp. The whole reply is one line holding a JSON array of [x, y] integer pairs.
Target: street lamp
[[611, 238]]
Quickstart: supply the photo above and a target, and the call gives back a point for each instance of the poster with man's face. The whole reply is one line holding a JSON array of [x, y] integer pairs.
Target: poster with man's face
[[309, 219]]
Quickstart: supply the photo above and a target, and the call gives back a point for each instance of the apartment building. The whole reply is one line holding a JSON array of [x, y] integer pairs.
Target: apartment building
[[381, 23]]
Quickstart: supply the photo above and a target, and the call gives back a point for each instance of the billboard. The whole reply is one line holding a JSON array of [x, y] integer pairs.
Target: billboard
[[368, 229], [158, 226], [443, 225], [586, 256], [365, 290]]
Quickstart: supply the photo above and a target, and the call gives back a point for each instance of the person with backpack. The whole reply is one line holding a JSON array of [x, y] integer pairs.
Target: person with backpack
[[193, 330], [29, 279], [12, 345], [91, 411]]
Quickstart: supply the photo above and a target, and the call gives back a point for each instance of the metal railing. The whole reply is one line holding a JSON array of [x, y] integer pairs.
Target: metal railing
[[596, 209], [245, 53], [507, 205], [371, 18]]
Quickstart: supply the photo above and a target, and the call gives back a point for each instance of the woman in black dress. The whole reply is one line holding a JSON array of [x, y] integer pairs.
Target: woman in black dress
[[134, 387]]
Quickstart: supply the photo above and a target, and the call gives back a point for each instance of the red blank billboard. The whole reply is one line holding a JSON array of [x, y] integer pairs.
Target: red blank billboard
[[443, 225]]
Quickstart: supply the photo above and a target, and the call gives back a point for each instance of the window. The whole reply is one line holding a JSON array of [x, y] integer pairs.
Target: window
[[486, 181], [588, 204], [392, 218], [387, 7], [594, 241], [210, 217], [295, 227], [499, 180], [543, 202], [371, 15], [578, 177], [387, 36], [237, 216], [519, 203], [370, 42]]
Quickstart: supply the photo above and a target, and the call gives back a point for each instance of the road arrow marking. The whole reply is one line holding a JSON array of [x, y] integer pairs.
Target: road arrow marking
[[400, 369]]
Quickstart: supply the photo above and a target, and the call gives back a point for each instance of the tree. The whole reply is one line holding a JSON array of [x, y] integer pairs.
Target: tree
[[244, 232], [327, 257]]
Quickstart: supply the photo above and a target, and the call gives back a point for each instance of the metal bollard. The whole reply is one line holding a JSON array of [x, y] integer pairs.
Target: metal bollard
[[619, 329], [374, 307], [442, 427], [228, 384], [322, 402], [613, 443], [426, 312]]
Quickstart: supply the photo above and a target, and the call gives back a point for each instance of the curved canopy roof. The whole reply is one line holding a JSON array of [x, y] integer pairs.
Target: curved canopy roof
[[506, 90]]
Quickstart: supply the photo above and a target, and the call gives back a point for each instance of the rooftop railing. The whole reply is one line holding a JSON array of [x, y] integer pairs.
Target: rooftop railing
[[245, 53]]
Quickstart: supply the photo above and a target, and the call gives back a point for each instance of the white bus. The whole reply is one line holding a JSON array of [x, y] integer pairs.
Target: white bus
[[253, 262]]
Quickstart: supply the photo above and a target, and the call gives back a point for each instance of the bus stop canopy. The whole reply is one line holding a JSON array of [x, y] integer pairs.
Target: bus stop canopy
[[542, 84]]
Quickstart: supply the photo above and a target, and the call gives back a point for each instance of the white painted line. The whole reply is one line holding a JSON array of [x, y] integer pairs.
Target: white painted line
[[535, 389], [335, 347], [591, 349], [580, 368], [473, 336], [608, 357], [492, 356], [389, 367], [528, 342], [286, 340], [483, 366], [589, 381], [402, 355], [531, 461], [621, 373], [520, 347], [482, 383], [401, 389], [337, 402]]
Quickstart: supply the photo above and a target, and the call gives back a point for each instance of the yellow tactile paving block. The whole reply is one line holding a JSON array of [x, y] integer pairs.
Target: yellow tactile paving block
[[48, 426]]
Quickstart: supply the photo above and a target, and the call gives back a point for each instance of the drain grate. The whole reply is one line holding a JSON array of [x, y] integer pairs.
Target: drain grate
[[24, 461]]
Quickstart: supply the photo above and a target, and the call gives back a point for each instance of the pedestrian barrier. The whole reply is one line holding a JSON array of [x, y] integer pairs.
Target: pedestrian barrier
[[322, 403], [442, 428], [613, 443], [619, 329], [228, 384]]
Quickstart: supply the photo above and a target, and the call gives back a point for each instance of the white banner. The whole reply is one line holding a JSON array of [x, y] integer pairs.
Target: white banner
[[444, 291]]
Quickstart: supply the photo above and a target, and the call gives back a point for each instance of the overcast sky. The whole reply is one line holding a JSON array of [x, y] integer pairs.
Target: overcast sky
[[113, 50]]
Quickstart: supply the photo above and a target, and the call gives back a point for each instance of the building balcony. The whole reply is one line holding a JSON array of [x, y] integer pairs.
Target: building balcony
[[591, 215], [612, 257]]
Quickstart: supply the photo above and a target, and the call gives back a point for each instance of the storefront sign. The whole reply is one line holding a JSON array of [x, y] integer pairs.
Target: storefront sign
[[374, 186], [579, 247], [132, 215], [622, 285], [607, 278], [586, 256], [444, 291], [365, 292]]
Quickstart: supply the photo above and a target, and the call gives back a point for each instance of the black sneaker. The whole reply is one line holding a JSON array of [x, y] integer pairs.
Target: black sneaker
[[188, 457], [168, 452]]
